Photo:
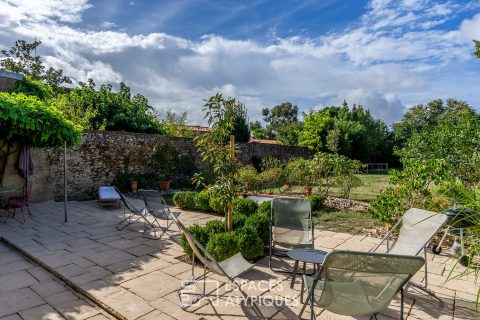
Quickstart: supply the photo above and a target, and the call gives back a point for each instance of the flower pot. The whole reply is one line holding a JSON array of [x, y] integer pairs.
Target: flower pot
[[165, 185], [245, 186], [308, 190], [134, 186]]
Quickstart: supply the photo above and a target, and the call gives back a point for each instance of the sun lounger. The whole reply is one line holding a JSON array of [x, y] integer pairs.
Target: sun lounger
[[108, 196]]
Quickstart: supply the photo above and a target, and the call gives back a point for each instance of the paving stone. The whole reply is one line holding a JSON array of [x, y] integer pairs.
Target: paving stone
[[44, 312], [48, 288], [61, 297], [153, 285], [18, 300], [128, 304], [77, 310], [109, 257], [12, 317], [16, 280]]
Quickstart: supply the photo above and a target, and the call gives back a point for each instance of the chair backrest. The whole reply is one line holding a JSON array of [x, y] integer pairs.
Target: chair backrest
[[126, 202], [291, 221], [153, 200], [417, 228], [198, 249], [364, 283]]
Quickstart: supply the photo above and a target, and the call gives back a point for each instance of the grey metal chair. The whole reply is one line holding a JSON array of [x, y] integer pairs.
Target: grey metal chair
[[158, 208], [360, 283], [291, 226], [415, 230], [131, 215], [230, 268]]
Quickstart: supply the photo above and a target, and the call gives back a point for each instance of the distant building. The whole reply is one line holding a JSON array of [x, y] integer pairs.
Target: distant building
[[8, 80], [195, 129]]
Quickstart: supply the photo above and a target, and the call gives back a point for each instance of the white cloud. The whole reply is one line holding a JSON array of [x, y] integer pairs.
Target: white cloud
[[391, 58]]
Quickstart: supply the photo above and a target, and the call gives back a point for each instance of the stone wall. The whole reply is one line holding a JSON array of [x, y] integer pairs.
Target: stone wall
[[101, 155]]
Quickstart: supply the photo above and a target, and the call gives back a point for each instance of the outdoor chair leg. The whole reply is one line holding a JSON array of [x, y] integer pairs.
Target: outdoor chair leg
[[401, 303]]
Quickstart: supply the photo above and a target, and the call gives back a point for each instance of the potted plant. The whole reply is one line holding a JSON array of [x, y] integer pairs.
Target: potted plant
[[247, 176], [303, 172], [164, 181], [134, 186]]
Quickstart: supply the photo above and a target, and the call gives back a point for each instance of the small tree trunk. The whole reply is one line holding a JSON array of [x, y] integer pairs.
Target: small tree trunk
[[230, 205]]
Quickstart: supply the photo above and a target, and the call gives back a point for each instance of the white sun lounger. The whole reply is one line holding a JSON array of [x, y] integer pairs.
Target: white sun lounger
[[108, 196]]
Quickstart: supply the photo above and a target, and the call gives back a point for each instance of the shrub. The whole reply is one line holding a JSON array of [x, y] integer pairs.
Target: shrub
[[216, 204], [215, 227], [260, 223], [244, 206], [317, 201], [222, 246], [238, 220], [250, 244], [202, 201], [185, 200], [265, 208], [200, 233]]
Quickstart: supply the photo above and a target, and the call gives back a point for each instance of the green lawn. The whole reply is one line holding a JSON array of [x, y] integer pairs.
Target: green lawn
[[372, 185], [342, 221]]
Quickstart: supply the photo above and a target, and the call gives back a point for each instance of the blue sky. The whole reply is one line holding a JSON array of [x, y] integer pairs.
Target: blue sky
[[386, 55]]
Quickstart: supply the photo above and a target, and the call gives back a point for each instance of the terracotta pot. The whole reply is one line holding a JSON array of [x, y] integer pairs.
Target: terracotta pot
[[245, 186], [134, 186], [164, 185], [308, 190]]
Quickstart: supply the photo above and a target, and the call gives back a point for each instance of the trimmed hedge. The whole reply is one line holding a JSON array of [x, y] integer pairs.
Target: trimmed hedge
[[265, 208], [244, 206], [317, 201], [260, 223], [185, 200], [250, 244], [238, 220], [200, 233], [202, 201], [223, 245]]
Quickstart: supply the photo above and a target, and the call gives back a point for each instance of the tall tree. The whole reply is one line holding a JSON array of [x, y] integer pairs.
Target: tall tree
[[22, 58], [282, 122], [477, 47]]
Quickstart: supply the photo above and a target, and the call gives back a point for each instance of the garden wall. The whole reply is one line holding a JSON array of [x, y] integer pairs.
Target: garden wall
[[101, 154]]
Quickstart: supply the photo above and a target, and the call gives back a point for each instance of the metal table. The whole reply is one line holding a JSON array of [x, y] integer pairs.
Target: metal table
[[313, 256], [5, 191]]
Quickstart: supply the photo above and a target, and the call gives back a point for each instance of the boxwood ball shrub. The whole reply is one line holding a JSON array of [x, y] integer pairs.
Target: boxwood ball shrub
[[238, 220], [223, 245], [215, 227], [265, 208], [215, 204], [202, 201], [261, 223], [249, 243], [317, 201], [244, 206], [185, 199], [198, 232]]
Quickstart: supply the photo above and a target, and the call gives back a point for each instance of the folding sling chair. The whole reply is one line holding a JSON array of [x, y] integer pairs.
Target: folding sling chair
[[291, 226], [416, 228], [360, 283], [230, 268], [158, 208], [132, 215]]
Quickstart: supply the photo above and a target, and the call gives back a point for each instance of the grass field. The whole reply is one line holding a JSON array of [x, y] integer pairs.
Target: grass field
[[372, 185], [342, 221]]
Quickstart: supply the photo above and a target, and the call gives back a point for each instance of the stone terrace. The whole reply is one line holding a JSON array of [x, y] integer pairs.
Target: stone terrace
[[136, 278]]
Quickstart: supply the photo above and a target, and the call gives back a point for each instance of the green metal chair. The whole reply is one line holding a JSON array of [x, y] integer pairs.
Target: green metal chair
[[415, 230], [360, 283], [230, 268], [291, 226]]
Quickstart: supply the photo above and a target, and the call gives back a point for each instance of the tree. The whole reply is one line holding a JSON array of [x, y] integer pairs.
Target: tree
[[241, 129], [315, 127], [221, 115], [26, 120], [22, 58], [175, 125], [282, 123], [441, 149], [477, 47]]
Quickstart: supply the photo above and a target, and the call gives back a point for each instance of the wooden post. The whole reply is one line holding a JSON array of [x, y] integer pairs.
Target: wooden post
[[230, 205]]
